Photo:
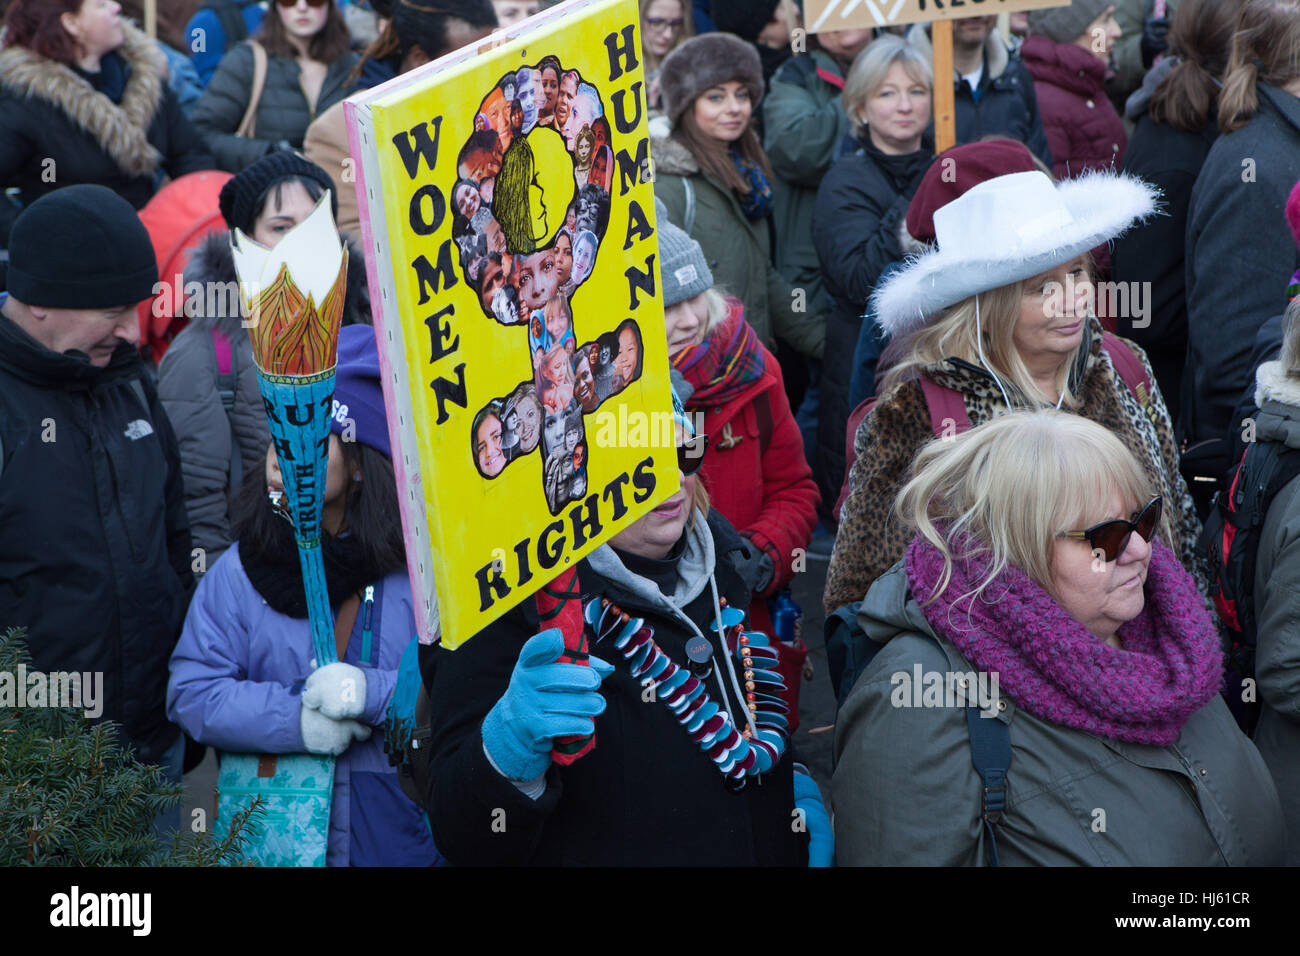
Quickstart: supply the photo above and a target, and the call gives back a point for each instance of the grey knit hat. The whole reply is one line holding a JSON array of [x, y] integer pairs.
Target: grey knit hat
[[681, 262], [705, 61], [1066, 24]]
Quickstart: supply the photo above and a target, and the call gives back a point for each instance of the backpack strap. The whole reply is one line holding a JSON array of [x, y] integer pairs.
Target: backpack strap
[[1129, 367], [990, 753], [946, 405], [248, 125], [227, 385]]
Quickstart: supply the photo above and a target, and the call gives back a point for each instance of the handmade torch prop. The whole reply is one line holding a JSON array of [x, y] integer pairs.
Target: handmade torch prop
[[293, 295]]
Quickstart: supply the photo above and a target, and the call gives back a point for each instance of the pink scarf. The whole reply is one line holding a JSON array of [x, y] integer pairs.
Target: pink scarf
[[1170, 667]]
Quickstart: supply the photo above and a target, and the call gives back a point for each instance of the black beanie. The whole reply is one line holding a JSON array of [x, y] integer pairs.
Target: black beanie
[[81, 247], [240, 194], [744, 18]]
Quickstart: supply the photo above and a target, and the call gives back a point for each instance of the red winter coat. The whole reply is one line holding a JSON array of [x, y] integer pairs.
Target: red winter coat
[[767, 493], [1083, 129]]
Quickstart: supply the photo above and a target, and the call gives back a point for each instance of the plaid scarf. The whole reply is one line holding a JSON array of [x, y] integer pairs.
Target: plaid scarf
[[724, 364], [756, 203]]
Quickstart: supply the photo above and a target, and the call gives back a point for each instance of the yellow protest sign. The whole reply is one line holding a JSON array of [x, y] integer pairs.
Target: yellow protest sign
[[824, 15], [508, 223]]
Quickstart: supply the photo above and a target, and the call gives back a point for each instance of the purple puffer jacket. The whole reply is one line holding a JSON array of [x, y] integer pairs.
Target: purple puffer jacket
[[1083, 129], [236, 681]]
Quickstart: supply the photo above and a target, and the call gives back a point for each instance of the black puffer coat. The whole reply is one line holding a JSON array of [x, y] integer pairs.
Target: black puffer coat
[[57, 129], [646, 795], [860, 206], [94, 545], [282, 113]]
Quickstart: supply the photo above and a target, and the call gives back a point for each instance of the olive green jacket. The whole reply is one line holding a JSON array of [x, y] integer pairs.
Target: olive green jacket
[[905, 791], [804, 126], [738, 250]]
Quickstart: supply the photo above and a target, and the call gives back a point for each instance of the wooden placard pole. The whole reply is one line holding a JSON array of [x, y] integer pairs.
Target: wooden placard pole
[[945, 122], [151, 18]]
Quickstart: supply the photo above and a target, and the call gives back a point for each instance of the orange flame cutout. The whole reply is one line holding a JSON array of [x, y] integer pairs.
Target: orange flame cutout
[[291, 334]]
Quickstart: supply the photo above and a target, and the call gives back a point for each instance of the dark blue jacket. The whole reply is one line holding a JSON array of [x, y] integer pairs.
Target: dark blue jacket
[[208, 40]]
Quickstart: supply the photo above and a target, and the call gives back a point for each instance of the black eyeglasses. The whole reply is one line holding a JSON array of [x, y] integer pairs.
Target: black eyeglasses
[[1112, 537], [655, 23], [690, 454]]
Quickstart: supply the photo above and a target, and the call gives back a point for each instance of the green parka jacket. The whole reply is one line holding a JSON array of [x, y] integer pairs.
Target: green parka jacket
[[738, 250], [905, 791], [804, 126]]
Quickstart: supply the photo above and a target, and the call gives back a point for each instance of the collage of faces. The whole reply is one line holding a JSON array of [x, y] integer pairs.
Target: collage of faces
[[499, 205], [525, 271]]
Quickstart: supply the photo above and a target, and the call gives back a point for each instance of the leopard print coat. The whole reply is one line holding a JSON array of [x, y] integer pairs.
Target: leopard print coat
[[871, 538]]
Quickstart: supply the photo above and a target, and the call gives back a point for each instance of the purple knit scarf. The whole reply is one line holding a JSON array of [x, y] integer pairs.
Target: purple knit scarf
[[1170, 667]]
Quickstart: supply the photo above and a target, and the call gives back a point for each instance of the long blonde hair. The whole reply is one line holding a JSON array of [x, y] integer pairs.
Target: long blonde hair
[[954, 335], [1009, 487]]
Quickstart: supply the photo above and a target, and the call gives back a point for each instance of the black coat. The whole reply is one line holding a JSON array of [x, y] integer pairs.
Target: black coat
[[94, 543], [861, 205], [1153, 251], [56, 129], [645, 796], [1240, 255]]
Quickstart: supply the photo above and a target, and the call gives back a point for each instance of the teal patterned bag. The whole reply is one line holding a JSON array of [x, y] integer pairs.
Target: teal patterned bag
[[296, 790]]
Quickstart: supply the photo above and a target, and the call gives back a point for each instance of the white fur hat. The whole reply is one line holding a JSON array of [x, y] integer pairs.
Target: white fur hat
[[1004, 230]]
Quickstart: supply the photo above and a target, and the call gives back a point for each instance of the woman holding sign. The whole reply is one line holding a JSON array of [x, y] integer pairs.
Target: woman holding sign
[[241, 676], [667, 782]]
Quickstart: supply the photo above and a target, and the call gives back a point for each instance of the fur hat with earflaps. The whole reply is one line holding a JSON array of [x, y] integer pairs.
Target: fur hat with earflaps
[[706, 61], [1004, 230]]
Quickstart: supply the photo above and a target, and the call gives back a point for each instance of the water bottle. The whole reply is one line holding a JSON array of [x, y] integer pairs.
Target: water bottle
[[787, 617]]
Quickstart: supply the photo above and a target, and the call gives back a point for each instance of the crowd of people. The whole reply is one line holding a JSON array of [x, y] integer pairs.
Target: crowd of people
[[997, 387]]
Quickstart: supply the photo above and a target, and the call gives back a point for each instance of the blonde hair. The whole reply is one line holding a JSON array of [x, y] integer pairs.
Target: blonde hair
[[688, 30], [717, 311], [699, 502], [1291, 340], [868, 73], [1009, 487], [953, 334]]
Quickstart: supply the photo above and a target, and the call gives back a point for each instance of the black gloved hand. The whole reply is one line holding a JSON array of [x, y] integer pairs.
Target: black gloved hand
[[753, 564], [1155, 38]]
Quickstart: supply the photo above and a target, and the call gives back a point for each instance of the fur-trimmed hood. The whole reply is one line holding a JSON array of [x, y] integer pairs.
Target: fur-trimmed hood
[[1278, 397], [212, 261], [120, 128], [672, 158]]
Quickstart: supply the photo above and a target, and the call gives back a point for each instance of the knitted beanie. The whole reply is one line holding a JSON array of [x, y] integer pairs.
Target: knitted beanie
[[240, 194], [744, 18], [358, 396], [958, 169], [706, 61], [81, 247], [1066, 24], [682, 264]]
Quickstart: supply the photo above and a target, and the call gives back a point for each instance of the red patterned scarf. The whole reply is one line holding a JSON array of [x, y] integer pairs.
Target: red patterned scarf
[[724, 364]]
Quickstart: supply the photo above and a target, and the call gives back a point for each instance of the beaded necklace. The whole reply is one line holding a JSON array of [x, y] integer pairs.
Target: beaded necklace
[[738, 755]]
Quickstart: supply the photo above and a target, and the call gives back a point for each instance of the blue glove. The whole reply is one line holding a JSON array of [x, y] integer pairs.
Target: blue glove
[[545, 700], [821, 839]]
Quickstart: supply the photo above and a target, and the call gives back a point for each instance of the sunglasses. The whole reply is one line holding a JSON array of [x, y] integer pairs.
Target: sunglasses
[[1112, 537], [293, 3], [690, 454]]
